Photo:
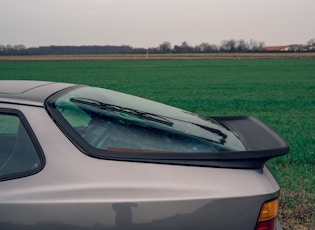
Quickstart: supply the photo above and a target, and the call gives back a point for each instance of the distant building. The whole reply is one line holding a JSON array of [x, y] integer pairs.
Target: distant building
[[289, 48], [298, 48], [276, 48]]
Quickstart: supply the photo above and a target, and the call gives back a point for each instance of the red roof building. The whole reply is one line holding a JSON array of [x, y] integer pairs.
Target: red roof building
[[276, 48]]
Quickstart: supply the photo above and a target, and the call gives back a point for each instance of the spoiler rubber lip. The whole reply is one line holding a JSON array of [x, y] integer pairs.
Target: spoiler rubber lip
[[262, 143], [258, 150]]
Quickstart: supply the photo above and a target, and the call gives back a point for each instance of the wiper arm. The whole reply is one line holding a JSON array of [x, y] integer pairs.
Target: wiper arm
[[116, 108], [216, 131]]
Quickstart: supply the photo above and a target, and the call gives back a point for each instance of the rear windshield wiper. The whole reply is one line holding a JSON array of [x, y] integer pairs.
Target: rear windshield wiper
[[143, 115], [116, 108]]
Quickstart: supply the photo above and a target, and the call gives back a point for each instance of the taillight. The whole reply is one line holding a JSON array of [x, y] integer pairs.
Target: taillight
[[268, 214]]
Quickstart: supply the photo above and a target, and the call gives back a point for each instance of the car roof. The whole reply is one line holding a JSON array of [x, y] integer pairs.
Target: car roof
[[29, 92]]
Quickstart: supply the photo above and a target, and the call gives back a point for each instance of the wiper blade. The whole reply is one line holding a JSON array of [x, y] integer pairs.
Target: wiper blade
[[116, 108]]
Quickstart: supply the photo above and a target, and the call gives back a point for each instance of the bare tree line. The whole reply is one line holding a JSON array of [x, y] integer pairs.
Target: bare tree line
[[230, 46], [226, 46]]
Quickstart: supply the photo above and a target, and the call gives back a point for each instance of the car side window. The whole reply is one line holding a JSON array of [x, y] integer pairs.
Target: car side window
[[18, 155]]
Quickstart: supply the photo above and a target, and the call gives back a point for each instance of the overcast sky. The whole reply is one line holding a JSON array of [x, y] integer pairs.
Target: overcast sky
[[148, 23]]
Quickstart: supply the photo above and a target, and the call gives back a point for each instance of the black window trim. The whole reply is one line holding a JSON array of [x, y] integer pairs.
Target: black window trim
[[35, 142], [251, 158], [177, 158]]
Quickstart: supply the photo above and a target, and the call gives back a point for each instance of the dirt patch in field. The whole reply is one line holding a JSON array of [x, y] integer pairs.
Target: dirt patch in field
[[214, 56]]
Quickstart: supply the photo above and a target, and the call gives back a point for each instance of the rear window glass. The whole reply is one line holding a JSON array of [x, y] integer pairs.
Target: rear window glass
[[111, 121]]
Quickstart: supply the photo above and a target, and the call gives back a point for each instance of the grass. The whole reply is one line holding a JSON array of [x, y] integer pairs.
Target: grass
[[297, 210], [280, 92]]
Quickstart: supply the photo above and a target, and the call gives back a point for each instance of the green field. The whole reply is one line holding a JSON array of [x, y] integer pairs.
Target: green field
[[280, 92]]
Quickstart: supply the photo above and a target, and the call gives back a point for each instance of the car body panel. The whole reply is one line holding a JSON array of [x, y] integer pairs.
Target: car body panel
[[76, 191], [29, 92]]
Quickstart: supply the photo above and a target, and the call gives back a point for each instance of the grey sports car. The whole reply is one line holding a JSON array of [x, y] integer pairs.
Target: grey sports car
[[80, 157]]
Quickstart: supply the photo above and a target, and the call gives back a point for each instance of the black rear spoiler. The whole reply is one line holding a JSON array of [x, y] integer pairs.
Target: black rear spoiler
[[261, 142]]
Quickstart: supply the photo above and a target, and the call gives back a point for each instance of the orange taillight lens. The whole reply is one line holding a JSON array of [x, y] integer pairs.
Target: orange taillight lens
[[268, 214]]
